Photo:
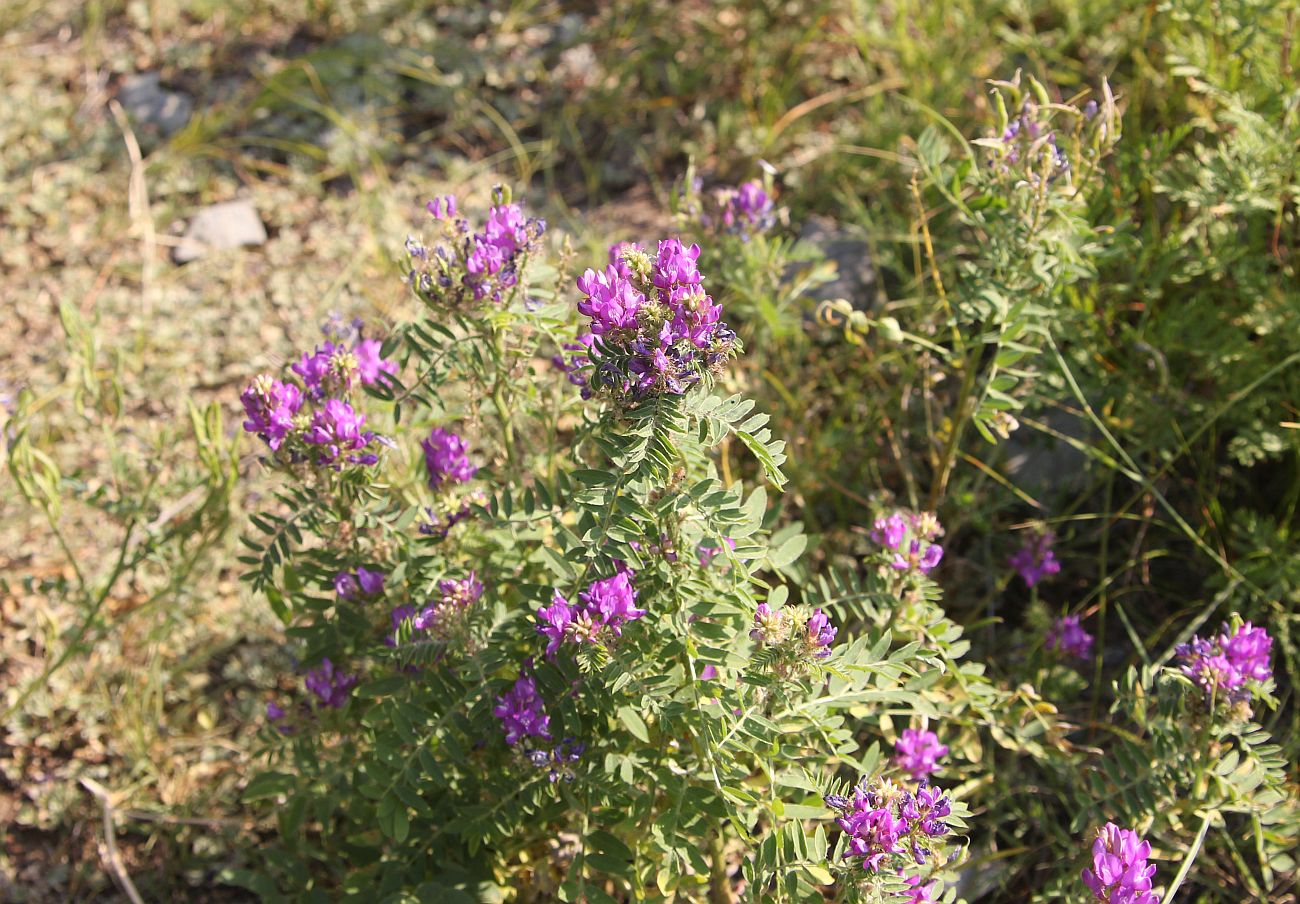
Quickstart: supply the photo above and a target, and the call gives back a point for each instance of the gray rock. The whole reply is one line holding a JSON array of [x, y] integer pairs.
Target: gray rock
[[219, 227], [149, 104], [855, 279], [1040, 463]]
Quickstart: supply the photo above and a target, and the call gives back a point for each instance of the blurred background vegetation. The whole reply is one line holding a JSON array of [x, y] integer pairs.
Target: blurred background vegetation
[[1160, 442]]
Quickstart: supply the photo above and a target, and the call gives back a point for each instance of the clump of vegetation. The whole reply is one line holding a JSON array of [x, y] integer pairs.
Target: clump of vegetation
[[667, 548]]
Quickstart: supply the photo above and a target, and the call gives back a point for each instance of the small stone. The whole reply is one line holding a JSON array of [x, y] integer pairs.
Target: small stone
[[855, 277], [219, 227], [1041, 464], [149, 104]]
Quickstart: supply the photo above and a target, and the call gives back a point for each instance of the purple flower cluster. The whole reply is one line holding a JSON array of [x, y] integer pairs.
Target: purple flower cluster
[[334, 369], [604, 608], [742, 210], [1227, 667], [463, 265], [358, 584], [655, 330], [438, 522], [911, 539], [329, 370], [1068, 637], [747, 209], [443, 615], [271, 407], [558, 760], [618, 259], [492, 262], [1027, 143], [1036, 559], [336, 429], [576, 364], [1120, 873], [917, 752], [330, 686], [820, 634], [521, 712], [333, 435], [369, 364], [445, 458], [888, 825], [799, 637]]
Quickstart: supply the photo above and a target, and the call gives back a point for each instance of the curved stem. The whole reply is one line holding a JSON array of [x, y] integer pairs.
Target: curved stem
[[1189, 859]]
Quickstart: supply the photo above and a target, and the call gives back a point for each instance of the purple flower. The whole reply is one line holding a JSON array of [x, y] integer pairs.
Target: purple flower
[[491, 261], [331, 368], [372, 582], [271, 407], [709, 673], [771, 627], [926, 810], [553, 622], [917, 752], [873, 827], [462, 592], [675, 265], [747, 209], [521, 712], [442, 206], [1120, 873], [1067, 636], [399, 615], [1223, 665], [821, 634], [918, 558], [616, 253], [889, 532], [330, 686], [604, 608], [1248, 651], [276, 715], [1035, 559], [336, 428], [369, 364], [655, 328], [445, 458], [910, 537], [886, 823], [362, 582], [345, 585], [575, 365], [559, 760], [612, 301], [920, 891], [442, 615], [611, 601]]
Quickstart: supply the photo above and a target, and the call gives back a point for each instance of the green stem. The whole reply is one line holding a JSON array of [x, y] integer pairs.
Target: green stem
[[940, 485], [1189, 859], [719, 881], [499, 399]]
